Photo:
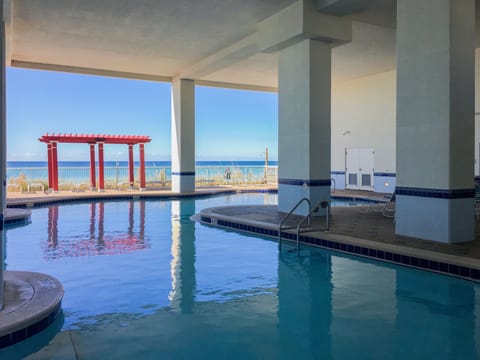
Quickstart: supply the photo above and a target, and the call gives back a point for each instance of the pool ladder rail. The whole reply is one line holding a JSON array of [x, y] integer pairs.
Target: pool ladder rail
[[307, 218]]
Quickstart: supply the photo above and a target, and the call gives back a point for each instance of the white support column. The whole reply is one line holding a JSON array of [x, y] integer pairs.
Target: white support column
[[3, 148], [183, 135], [304, 124], [435, 119], [304, 98]]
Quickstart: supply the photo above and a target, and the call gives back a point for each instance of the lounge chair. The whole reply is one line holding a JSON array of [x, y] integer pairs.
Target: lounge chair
[[387, 208]]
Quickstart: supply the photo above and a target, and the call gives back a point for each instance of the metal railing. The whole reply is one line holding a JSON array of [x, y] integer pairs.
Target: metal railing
[[321, 204], [116, 176], [307, 218], [280, 226]]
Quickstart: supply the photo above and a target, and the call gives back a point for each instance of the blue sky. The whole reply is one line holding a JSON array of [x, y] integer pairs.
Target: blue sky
[[230, 124]]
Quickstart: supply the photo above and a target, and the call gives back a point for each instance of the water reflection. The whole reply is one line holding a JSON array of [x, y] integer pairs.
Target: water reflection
[[182, 296], [100, 238], [435, 310], [215, 293], [340, 307], [305, 303]]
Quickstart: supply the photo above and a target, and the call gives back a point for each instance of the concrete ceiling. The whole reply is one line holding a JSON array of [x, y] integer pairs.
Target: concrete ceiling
[[208, 40]]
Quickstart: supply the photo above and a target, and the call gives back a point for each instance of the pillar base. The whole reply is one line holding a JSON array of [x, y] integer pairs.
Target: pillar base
[[290, 191], [183, 182], [444, 220]]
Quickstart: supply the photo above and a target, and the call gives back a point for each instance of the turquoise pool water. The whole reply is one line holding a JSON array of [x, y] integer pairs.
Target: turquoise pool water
[[142, 281]]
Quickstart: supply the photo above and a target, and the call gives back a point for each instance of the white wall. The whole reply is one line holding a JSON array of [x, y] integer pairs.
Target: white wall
[[366, 108]]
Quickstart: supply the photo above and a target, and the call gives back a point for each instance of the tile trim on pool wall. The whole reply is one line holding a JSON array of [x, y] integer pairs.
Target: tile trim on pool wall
[[184, 173], [31, 330], [382, 255], [384, 174], [300, 182], [435, 193]]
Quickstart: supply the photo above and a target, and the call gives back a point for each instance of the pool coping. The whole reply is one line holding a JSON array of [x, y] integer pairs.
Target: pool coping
[[16, 216], [448, 264], [25, 317], [72, 198]]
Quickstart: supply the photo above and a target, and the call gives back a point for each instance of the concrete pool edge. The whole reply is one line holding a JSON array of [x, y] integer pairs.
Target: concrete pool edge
[[17, 216], [448, 264], [31, 304], [68, 197]]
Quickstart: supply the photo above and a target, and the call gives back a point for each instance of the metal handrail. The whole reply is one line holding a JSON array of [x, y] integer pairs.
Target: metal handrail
[[322, 204], [288, 215], [334, 186]]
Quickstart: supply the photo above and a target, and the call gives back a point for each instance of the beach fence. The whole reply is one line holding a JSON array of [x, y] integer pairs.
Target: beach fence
[[21, 179]]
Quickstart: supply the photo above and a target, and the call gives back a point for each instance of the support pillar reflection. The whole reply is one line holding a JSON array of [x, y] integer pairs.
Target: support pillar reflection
[[182, 295]]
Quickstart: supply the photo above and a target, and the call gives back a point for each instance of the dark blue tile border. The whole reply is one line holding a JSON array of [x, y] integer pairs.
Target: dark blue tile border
[[435, 193], [399, 259], [22, 334], [300, 182], [337, 172], [184, 173], [384, 174]]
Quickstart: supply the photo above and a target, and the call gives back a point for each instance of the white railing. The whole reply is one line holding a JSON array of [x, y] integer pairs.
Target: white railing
[[19, 178]]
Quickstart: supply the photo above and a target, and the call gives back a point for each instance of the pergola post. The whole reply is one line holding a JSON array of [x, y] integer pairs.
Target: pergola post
[[131, 177], [101, 170], [93, 180], [54, 166], [142, 166], [50, 174]]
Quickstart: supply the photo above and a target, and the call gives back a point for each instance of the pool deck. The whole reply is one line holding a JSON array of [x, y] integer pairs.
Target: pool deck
[[31, 303], [358, 230]]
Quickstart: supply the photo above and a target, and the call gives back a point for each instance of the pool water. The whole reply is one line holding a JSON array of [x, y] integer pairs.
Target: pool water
[[143, 281]]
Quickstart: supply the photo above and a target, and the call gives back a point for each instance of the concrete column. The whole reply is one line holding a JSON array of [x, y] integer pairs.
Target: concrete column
[[93, 180], [142, 166], [304, 124], [101, 168], [183, 135], [435, 119], [131, 166], [3, 148]]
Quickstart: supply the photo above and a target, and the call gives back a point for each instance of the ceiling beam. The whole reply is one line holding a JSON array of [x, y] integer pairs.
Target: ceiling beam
[[227, 85], [90, 71], [227, 56]]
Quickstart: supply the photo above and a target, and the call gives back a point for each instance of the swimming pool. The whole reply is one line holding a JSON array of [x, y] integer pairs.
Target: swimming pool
[[143, 281]]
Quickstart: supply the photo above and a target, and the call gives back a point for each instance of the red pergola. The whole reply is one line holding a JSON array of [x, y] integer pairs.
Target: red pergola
[[92, 139]]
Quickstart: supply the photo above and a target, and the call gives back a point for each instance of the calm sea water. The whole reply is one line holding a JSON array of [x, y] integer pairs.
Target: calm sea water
[[142, 281]]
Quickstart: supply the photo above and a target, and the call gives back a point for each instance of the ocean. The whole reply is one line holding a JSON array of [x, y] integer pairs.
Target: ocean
[[78, 172]]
